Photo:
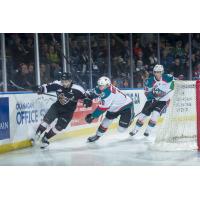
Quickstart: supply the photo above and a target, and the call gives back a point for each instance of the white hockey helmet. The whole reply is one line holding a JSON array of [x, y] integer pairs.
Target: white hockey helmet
[[104, 81], [158, 68]]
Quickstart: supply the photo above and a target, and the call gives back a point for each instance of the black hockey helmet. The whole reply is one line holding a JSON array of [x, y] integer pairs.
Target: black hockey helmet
[[66, 79], [66, 76]]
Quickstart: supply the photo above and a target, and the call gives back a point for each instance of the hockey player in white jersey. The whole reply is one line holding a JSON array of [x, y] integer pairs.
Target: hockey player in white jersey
[[114, 103], [157, 90]]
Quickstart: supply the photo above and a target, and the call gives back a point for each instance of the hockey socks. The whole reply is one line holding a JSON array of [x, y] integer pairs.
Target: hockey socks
[[149, 128], [50, 134], [40, 129], [138, 125]]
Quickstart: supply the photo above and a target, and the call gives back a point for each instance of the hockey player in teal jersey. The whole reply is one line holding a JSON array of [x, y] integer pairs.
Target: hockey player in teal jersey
[[157, 90]]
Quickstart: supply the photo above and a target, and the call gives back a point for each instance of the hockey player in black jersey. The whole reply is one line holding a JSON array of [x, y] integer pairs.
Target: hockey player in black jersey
[[68, 95]]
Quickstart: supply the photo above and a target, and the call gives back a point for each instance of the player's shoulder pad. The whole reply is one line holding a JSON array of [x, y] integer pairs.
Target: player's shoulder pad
[[79, 88], [168, 78], [51, 84], [149, 82], [55, 82], [96, 91], [106, 93]]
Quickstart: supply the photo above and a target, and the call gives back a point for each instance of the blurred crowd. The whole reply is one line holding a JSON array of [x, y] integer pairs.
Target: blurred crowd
[[174, 56]]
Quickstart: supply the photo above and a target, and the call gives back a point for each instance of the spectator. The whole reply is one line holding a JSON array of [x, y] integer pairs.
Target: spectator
[[181, 77], [102, 57], [125, 53], [178, 51], [114, 82], [84, 45], [29, 50], [31, 74], [44, 74], [145, 75], [196, 74], [126, 84], [114, 49], [196, 42], [152, 61], [166, 59], [75, 50], [52, 55], [56, 71], [197, 56], [149, 50], [147, 38], [18, 51], [44, 53], [138, 80], [84, 62], [22, 77], [194, 60], [140, 65], [177, 68], [137, 49]]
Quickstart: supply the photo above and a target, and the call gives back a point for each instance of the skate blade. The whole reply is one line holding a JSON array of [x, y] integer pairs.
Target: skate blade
[[44, 148], [90, 142]]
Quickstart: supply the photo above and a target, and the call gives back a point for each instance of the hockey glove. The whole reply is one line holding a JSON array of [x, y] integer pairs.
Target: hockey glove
[[87, 102], [89, 118], [40, 90], [158, 93], [153, 102]]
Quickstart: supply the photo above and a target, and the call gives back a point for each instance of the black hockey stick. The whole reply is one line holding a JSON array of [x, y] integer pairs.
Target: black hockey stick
[[154, 103], [24, 89]]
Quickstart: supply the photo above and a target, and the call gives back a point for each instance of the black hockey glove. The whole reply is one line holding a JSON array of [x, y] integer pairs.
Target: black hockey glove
[[87, 102], [89, 118], [40, 90], [152, 102]]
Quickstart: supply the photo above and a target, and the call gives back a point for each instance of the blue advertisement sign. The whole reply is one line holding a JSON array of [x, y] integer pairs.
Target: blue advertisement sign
[[4, 118]]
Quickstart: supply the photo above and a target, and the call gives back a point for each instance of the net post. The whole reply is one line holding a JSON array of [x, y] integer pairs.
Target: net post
[[197, 111]]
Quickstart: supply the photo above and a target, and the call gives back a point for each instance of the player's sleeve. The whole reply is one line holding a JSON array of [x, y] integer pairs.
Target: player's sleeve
[[93, 93], [172, 83], [51, 87], [148, 90], [80, 92], [170, 79], [103, 106]]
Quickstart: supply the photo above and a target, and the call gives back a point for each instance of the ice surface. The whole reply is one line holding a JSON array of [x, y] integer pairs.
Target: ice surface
[[111, 149]]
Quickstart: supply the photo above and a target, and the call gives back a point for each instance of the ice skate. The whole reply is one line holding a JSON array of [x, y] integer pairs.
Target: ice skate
[[132, 133], [44, 143], [146, 134], [93, 138]]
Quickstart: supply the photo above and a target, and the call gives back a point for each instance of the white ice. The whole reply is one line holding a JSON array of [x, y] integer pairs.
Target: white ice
[[112, 149]]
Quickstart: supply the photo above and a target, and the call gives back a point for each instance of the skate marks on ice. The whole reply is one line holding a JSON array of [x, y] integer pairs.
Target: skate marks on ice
[[71, 152], [111, 150]]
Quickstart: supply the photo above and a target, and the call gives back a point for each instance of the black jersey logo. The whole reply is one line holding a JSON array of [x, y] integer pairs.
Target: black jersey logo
[[63, 99]]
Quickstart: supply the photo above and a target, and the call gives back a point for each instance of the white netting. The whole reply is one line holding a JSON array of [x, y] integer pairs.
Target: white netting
[[179, 128]]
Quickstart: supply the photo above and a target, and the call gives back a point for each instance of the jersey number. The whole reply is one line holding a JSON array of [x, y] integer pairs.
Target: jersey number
[[115, 90]]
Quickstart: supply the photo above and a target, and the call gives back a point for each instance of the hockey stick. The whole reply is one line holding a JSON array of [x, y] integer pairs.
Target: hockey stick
[[24, 89], [154, 103]]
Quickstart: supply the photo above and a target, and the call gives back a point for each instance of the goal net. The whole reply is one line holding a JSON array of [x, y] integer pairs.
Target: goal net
[[180, 127]]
